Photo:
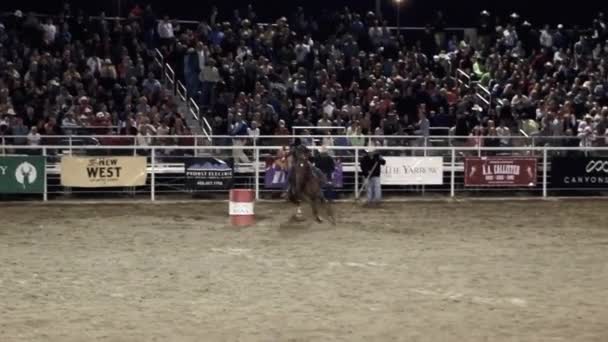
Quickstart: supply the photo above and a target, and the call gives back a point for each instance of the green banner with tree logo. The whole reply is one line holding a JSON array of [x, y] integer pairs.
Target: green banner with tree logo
[[22, 175]]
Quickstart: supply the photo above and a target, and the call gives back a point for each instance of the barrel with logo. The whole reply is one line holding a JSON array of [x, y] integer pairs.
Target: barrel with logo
[[241, 207]]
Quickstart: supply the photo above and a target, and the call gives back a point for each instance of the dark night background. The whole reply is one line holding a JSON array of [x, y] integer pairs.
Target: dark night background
[[414, 12]]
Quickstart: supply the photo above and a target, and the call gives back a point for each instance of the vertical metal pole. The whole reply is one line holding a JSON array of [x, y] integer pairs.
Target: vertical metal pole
[[256, 164], [453, 173], [196, 145], [45, 194], [398, 19], [356, 172], [134, 146], [545, 172], [70, 140], [153, 176]]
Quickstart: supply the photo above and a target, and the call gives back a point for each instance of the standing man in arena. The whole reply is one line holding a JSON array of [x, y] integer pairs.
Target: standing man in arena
[[371, 164], [324, 162]]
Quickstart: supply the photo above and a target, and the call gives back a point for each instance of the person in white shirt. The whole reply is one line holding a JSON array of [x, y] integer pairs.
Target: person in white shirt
[[510, 36], [210, 76], [503, 132], [94, 63], [253, 131], [165, 31], [33, 138], [375, 34], [301, 50], [202, 55], [144, 136], [50, 32], [546, 38], [585, 131]]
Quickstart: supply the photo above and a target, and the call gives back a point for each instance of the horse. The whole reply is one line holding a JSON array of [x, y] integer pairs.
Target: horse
[[307, 185]]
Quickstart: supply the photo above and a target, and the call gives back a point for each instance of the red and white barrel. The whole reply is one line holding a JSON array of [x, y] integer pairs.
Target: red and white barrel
[[241, 207]]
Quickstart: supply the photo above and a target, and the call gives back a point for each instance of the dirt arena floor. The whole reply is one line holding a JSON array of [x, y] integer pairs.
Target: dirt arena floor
[[442, 271]]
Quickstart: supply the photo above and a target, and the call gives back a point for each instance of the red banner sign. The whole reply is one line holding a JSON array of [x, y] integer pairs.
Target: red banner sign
[[500, 171]]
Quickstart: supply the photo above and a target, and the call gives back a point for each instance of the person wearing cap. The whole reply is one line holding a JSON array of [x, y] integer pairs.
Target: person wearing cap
[[371, 165]]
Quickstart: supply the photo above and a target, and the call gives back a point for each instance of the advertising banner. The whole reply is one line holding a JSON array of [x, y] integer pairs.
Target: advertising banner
[[579, 172], [412, 171], [276, 178], [103, 172], [22, 175], [208, 174], [500, 172]]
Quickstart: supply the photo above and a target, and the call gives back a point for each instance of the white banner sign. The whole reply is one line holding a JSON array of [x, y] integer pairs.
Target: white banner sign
[[412, 171]]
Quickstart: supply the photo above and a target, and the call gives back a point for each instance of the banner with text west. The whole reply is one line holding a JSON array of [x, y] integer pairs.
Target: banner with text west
[[103, 172]]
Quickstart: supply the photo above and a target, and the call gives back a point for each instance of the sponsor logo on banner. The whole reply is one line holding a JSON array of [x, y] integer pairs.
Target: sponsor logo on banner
[[208, 174], [275, 178], [412, 171], [240, 208], [337, 177], [579, 172], [22, 175], [103, 172], [500, 171]]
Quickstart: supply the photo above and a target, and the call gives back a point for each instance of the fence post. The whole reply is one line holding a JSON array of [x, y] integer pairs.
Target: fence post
[[256, 164], [426, 144], [453, 173], [45, 194], [356, 172], [545, 172], [70, 140], [153, 175]]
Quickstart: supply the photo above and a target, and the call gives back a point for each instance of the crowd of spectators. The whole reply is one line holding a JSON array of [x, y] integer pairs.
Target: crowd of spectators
[[73, 74], [342, 69]]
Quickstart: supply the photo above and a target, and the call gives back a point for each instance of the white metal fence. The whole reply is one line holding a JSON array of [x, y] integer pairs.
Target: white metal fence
[[166, 171]]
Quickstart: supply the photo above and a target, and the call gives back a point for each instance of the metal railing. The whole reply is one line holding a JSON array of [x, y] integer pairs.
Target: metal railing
[[6, 141], [159, 60], [181, 91], [164, 172], [170, 77], [483, 94], [463, 78]]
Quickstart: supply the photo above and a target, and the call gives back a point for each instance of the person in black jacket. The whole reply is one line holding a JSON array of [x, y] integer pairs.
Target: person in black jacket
[[325, 163], [370, 167]]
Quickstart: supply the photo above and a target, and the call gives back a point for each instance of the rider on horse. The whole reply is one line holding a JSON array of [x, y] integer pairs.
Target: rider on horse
[[298, 149]]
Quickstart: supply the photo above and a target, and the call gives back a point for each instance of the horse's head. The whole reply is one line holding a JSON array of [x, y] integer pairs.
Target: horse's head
[[300, 155]]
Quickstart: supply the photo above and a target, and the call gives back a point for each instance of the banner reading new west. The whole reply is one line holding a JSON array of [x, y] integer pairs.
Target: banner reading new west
[[103, 172]]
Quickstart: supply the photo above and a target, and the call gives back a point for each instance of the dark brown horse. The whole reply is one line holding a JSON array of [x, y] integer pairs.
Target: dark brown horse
[[307, 185]]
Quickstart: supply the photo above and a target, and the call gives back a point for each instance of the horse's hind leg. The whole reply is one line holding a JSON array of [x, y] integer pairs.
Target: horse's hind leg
[[314, 203]]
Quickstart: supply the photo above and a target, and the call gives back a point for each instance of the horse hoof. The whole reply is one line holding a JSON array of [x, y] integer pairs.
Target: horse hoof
[[319, 220]]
